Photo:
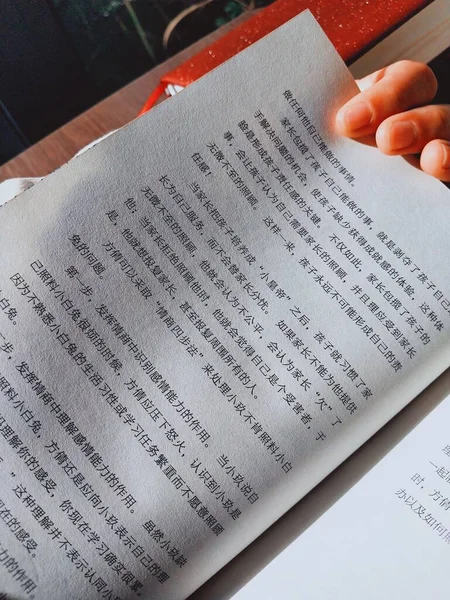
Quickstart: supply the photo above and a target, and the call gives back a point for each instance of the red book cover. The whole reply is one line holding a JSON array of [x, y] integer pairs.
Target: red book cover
[[353, 26]]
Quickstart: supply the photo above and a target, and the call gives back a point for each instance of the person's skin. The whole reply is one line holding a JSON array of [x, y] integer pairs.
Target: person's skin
[[391, 111]]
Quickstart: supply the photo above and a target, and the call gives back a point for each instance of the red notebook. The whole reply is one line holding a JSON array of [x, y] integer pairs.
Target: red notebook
[[353, 26]]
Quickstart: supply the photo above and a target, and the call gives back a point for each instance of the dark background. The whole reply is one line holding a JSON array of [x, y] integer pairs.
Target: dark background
[[58, 57]]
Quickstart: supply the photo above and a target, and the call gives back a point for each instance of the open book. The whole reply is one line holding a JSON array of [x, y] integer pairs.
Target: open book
[[201, 318]]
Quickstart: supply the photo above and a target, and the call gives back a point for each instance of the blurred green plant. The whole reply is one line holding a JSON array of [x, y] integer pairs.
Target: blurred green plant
[[117, 40], [140, 30], [232, 10]]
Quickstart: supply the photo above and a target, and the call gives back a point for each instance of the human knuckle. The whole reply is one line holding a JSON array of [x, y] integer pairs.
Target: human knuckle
[[426, 76], [399, 97], [442, 113]]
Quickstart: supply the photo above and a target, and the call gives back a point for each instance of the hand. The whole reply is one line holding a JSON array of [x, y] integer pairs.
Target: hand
[[391, 112]]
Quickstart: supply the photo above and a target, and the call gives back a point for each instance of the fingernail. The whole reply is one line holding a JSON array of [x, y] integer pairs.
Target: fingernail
[[445, 156], [357, 116], [402, 134]]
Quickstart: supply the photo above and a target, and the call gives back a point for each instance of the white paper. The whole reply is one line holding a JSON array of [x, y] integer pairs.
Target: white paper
[[387, 538], [195, 300], [10, 188]]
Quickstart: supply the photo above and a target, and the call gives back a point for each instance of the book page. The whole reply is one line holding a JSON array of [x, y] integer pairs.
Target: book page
[[200, 318], [389, 537]]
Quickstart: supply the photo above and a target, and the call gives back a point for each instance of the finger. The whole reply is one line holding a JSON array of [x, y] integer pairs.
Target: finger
[[369, 80], [411, 131], [400, 86], [435, 159]]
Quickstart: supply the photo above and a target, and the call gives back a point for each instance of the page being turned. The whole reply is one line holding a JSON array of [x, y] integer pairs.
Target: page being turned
[[200, 318]]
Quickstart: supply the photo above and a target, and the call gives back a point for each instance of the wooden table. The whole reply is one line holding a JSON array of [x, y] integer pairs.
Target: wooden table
[[109, 114]]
